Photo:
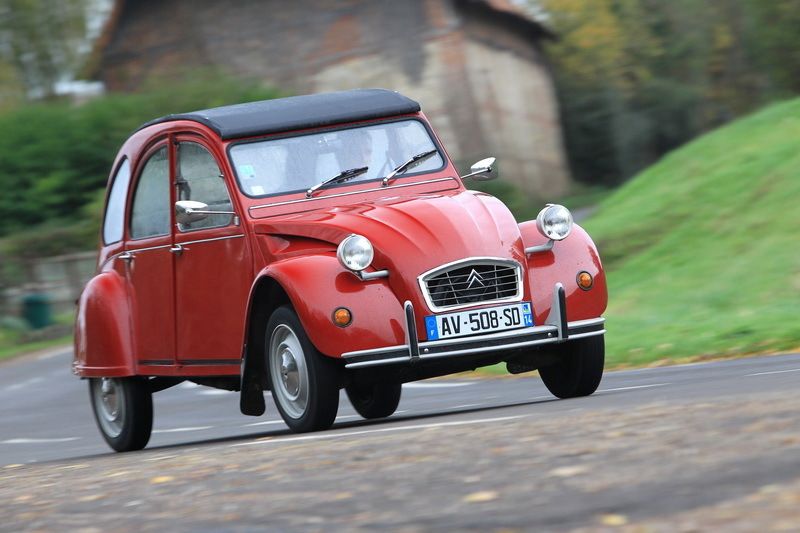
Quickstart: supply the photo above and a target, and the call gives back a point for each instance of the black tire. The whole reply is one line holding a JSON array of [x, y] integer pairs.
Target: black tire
[[123, 410], [306, 394], [579, 369], [375, 401]]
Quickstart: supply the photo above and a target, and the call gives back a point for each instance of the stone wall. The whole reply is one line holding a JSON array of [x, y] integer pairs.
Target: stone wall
[[478, 74], [60, 279]]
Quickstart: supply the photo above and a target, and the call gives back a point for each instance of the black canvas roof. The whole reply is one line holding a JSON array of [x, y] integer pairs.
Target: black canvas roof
[[298, 112]]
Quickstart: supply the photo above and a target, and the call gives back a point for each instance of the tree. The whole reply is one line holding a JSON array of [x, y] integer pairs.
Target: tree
[[11, 90], [43, 41], [775, 41], [638, 78]]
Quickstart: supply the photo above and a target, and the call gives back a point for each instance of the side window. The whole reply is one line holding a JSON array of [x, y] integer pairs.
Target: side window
[[200, 179], [151, 209], [114, 220]]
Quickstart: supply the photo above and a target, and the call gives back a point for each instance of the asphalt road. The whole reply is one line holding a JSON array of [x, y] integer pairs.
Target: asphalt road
[[689, 445]]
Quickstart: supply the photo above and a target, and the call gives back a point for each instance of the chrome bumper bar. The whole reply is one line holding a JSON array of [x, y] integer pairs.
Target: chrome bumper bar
[[555, 329]]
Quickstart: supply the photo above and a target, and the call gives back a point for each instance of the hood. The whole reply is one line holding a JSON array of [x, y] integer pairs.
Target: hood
[[414, 234]]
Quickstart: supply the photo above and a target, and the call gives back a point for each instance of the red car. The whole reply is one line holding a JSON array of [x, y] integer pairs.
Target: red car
[[308, 244]]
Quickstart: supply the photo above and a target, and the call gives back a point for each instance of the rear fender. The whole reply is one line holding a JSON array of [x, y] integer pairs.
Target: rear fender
[[562, 264], [103, 329]]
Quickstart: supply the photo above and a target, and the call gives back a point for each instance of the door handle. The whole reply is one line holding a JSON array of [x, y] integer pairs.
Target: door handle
[[177, 249], [126, 256]]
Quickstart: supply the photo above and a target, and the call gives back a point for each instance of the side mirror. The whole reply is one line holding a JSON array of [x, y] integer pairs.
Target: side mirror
[[188, 211], [482, 170]]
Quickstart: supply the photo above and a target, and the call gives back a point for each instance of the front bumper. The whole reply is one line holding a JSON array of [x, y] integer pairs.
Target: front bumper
[[555, 329]]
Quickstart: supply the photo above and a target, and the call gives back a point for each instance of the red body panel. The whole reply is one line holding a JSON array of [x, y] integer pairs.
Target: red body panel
[[562, 264], [420, 233], [307, 281], [187, 314], [150, 278], [212, 286], [102, 328]]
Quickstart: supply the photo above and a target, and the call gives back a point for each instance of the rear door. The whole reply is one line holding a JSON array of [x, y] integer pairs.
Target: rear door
[[149, 262]]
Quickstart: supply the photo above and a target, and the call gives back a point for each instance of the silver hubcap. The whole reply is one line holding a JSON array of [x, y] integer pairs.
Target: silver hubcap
[[289, 371], [109, 403]]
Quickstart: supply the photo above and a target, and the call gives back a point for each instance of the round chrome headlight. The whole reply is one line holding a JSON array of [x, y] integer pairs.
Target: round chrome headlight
[[554, 222], [355, 252]]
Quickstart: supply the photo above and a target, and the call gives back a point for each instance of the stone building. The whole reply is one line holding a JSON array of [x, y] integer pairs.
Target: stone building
[[476, 66]]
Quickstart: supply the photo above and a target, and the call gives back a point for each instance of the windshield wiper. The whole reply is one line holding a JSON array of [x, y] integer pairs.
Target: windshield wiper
[[344, 175], [411, 163]]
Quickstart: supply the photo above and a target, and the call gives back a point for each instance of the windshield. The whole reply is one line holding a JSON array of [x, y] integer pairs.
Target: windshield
[[298, 163]]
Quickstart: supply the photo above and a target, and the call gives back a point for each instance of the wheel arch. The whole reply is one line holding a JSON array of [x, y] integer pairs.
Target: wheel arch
[[103, 329], [315, 285], [561, 264]]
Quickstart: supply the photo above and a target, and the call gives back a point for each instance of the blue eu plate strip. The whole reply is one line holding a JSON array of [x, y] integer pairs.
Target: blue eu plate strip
[[433, 330]]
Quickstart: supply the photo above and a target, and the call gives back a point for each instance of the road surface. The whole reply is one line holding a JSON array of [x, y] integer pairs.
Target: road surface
[[705, 446]]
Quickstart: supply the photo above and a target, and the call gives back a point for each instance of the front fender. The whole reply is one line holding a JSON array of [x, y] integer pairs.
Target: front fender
[[318, 284], [562, 264], [103, 329]]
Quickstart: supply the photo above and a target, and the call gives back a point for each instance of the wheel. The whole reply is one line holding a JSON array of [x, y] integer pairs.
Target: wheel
[[304, 382], [123, 409], [375, 401], [579, 370]]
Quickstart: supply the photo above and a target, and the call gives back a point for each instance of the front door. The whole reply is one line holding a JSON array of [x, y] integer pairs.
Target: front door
[[213, 270], [148, 262]]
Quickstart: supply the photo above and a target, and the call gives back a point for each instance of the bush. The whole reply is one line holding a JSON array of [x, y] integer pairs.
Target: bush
[[54, 157], [13, 324]]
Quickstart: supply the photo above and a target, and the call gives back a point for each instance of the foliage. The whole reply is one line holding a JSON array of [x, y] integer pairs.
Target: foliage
[[701, 248], [11, 91], [638, 78], [519, 203], [12, 344], [777, 46], [17, 338], [43, 41], [55, 156]]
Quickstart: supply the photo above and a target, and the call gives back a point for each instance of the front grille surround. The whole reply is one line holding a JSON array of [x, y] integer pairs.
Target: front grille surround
[[447, 287]]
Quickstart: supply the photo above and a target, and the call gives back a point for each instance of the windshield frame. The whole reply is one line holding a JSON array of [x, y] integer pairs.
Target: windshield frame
[[338, 127]]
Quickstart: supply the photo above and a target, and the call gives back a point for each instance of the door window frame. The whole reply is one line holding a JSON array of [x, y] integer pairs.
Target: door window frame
[[115, 182], [186, 137], [143, 160]]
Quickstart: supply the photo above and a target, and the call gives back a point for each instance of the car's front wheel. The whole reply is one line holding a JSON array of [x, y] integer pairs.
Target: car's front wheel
[[304, 382], [375, 401], [123, 409], [579, 368]]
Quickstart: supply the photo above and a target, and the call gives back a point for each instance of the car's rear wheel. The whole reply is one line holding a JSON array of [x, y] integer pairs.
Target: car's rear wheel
[[123, 409], [304, 382], [579, 368], [375, 401]]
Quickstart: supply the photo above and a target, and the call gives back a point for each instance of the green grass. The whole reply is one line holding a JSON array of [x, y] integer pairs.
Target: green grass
[[583, 196], [7, 352], [13, 343], [702, 250]]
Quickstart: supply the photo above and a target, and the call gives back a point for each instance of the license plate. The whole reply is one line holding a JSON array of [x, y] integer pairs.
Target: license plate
[[479, 321]]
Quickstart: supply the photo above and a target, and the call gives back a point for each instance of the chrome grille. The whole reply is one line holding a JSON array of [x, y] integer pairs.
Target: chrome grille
[[471, 282]]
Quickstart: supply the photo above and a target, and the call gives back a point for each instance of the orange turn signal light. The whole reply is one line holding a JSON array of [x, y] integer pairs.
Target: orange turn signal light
[[585, 280], [342, 317]]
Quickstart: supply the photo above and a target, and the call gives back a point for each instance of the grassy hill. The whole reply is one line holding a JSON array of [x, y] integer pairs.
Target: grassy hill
[[703, 248]]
